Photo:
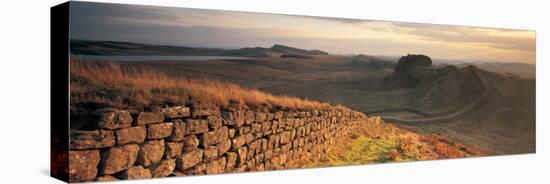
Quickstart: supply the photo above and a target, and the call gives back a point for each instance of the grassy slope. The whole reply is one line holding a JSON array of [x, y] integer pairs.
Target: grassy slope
[[111, 85], [381, 143]]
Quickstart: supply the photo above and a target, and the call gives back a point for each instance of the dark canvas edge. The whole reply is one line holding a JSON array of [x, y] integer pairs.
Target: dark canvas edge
[[59, 91]]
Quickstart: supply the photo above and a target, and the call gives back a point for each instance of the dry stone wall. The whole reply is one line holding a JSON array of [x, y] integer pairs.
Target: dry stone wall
[[180, 141]]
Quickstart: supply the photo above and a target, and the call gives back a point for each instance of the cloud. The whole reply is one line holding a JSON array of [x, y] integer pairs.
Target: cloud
[[229, 29], [512, 40]]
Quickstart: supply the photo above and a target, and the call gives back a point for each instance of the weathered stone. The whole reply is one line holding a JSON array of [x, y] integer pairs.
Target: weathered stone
[[278, 115], [198, 169], [83, 165], [285, 137], [179, 173], [315, 112], [224, 146], [196, 126], [266, 127], [214, 137], [264, 145], [159, 131], [131, 135], [150, 152], [214, 122], [190, 142], [176, 112], [178, 132], [210, 153], [249, 138], [249, 117], [260, 117], [149, 117], [231, 132], [241, 156], [109, 118], [274, 126], [136, 172], [234, 118], [269, 116], [106, 178], [252, 147], [231, 158], [199, 113], [92, 139], [216, 166], [118, 158], [268, 154], [189, 159], [238, 142], [173, 149], [256, 128], [163, 168], [273, 141]]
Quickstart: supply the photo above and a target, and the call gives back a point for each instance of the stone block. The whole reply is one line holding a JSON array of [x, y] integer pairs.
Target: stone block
[[83, 165], [233, 118], [200, 113], [231, 158], [249, 117], [159, 131], [150, 152], [163, 169], [260, 117], [135, 173], [238, 142], [173, 149], [241, 156], [196, 126], [190, 142], [176, 112], [118, 158], [216, 166], [189, 159], [178, 130], [106, 178], [131, 135], [210, 153], [214, 137], [214, 122], [145, 118], [109, 118], [91, 139], [224, 146]]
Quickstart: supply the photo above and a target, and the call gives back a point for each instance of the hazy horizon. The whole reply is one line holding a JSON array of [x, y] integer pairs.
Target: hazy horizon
[[232, 30]]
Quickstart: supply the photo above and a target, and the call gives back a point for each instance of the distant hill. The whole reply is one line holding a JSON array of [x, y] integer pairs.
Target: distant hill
[[127, 48], [292, 50], [371, 61]]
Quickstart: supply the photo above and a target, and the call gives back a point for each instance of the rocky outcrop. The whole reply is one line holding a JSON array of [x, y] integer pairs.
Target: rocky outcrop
[[413, 70], [181, 141]]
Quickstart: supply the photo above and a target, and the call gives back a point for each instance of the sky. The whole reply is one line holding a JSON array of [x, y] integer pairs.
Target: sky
[[230, 29]]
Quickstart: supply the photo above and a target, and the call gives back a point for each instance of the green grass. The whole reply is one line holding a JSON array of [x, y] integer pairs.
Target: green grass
[[364, 150]]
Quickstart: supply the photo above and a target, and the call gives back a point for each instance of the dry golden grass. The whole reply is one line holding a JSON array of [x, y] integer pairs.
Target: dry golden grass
[[107, 84]]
